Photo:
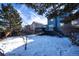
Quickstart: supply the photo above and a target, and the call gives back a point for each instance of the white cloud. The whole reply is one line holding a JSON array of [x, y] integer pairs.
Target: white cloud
[[39, 18], [28, 16]]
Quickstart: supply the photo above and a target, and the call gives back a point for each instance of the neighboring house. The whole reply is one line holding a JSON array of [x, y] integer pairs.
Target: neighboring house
[[71, 27], [33, 28], [53, 23], [56, 22], [26, 29], [36, 26]]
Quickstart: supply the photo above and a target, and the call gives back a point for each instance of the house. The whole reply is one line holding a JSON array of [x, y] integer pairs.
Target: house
[[36, 27], [53, 23], [27, 30]]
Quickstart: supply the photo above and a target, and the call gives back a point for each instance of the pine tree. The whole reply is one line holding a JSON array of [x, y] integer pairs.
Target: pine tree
[[12, 16], [2, 23], [55, 11]]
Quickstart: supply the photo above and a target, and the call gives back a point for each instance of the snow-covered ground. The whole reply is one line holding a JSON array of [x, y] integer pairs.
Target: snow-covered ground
[[38, 46]]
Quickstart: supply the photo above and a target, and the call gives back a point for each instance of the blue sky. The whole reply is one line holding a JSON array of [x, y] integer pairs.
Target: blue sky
[[28, 15]]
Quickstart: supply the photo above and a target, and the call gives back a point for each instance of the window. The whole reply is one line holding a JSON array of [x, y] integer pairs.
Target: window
[[74, 22], [51, 20], [61, 24]]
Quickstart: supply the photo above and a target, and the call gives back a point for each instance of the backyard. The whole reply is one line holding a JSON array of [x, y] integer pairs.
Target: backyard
[[38, 46]]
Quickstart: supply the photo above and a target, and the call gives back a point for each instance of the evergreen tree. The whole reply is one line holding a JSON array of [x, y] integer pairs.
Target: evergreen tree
[[12, 16], [2, 23], [53, 10]]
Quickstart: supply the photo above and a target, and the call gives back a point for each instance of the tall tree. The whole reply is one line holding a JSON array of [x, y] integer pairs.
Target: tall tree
[[2, 22], [52, 10], [12, 16]]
